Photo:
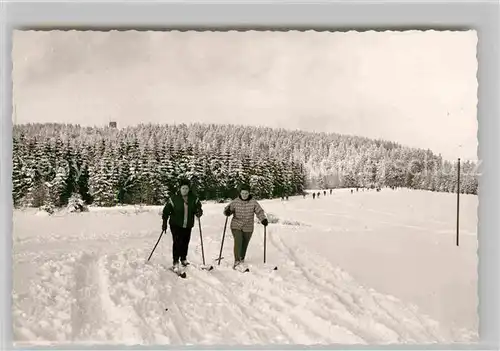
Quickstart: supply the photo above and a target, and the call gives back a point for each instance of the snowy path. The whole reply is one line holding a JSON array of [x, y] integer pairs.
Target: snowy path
[[100, 289]]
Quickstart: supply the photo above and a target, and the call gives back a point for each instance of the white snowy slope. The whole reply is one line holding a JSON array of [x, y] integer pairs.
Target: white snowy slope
[[369, 267]]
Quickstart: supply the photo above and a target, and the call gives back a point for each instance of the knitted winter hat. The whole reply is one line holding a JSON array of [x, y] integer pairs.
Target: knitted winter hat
[[245, 187], [184, 182]]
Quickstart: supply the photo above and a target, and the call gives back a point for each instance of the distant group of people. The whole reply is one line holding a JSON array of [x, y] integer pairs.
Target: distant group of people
[[319, 193], [314, 195], [184, 206], [357, 189]]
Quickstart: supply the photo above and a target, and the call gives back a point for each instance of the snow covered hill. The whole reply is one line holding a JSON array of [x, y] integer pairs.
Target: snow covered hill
[[369, 267]]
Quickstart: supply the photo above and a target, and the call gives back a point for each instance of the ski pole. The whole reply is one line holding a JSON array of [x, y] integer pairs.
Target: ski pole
[[201, 239], [203, 250], [222, 243], [265, 232], [265, 241], [154, 248]]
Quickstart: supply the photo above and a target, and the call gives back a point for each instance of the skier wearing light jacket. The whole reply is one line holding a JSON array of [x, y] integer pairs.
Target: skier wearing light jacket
[[181, 209], [243, 209]]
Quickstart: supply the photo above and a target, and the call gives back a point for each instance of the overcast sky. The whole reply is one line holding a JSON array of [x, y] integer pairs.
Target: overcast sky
[[415, 88]]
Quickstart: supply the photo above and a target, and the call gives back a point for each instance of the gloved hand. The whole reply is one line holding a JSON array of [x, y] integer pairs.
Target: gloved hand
[[199, 213], [265, 222], [164, 226], [227, 212]]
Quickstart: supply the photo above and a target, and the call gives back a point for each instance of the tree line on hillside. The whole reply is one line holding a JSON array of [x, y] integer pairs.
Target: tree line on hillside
[[53, 163]]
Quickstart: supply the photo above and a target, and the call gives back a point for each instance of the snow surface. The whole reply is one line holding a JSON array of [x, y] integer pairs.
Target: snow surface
[[369, 267]]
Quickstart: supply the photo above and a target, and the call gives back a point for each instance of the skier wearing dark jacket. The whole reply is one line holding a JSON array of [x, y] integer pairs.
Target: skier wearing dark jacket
[[181, 209], [243, 209]]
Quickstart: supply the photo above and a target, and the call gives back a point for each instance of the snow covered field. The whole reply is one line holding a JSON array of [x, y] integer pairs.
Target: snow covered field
[[369, 267]]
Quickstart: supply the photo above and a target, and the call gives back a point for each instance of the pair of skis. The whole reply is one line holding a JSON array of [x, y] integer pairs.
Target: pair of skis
[[182, 273], [246, 270], [179, 273], [241, 270]]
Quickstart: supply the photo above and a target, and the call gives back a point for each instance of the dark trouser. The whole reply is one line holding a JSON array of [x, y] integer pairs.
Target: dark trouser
[[180, 240], [241, 240]]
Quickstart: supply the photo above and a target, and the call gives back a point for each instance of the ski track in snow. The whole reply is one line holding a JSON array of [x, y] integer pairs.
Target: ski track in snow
[[109, 294], [118, 299]]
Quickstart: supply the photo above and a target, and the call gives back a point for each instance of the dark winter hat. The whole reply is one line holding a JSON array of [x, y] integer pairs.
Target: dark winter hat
[[184, 182], [245, 187]]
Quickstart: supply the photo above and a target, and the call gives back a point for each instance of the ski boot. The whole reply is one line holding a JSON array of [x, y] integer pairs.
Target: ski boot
[[176, 268]]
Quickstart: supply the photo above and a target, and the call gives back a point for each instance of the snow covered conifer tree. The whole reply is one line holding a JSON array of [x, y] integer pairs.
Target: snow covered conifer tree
[[22, 166], [58, 186], [100, 186]]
